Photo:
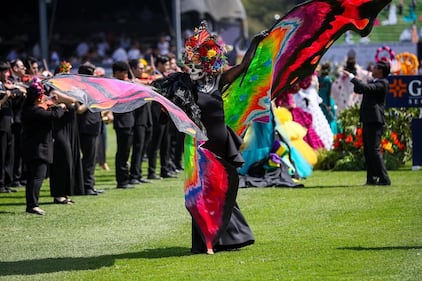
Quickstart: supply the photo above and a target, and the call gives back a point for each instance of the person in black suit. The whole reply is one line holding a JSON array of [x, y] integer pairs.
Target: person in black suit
[[160, 140], [37, 141], [141, 130], [373, 122], [123, 124], [6, 137], [89, 129]]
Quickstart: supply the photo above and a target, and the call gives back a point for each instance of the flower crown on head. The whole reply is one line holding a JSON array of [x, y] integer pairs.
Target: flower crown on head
[[36, 86], [206, 50]]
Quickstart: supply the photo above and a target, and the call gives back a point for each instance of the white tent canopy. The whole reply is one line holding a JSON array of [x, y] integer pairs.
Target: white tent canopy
[[217, 9]]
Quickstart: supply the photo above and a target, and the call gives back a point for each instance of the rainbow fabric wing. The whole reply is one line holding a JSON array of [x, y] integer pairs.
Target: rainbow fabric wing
[[291, 51], [119, 96], [210, 190]]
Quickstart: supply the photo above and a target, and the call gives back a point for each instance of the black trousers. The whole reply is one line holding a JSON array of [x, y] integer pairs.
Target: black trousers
[[141, 137], [36, 173], [160, 141], [124, 144], [6, 158], [102, 145], [18, 175], [89, 151], [375, 167], [176, 148]]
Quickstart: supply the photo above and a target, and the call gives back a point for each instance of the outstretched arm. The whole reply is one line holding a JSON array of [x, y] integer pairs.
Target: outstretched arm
[[231, 74]]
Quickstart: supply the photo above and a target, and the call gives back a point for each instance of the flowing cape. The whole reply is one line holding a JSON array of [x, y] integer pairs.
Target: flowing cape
[[210, 190], [210, 183], [100, 94], [291, 51]]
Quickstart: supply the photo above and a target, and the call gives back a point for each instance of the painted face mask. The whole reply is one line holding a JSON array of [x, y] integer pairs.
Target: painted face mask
[[196, 72]]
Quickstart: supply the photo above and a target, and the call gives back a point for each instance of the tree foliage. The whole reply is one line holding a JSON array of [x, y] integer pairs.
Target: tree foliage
[[261, 13]]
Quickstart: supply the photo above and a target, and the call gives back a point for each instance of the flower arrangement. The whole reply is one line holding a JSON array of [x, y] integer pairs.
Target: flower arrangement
[[347, 152], [65, 67]]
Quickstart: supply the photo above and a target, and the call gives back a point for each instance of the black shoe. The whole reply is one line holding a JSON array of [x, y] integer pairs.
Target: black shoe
[[11, 189], [99, 191], [168, 175], [91, 191], [134, 181], [154, 177], [4, 190], [36, 211], [65, 201], [384, 182], [144, 180], [125, 186], [371, 183], [16, 184]]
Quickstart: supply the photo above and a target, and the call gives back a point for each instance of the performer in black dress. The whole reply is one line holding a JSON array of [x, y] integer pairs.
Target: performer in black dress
[[38, 115], [66, 176], [206, 80]]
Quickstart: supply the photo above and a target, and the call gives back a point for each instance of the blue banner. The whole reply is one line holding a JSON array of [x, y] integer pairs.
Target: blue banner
[[405, 91]]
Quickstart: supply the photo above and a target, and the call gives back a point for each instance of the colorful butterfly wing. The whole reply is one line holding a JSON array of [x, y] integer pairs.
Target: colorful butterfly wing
[[210, 190], [119, 96], [248, 98], [313, 27], [291, 51]]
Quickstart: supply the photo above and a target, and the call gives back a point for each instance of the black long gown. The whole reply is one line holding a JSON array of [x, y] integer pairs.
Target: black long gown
[[224, 143], [66, 177]]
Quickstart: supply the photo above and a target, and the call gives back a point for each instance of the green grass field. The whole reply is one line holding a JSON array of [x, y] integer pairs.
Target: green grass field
[[333, 229]]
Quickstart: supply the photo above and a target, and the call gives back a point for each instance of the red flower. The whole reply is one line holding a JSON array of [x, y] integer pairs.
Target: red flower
[[358, 144], [339, 136], [349, 139]]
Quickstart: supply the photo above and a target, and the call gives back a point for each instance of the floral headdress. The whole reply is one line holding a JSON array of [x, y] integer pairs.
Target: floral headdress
[[206, 50], [35, 88], [65, 67]]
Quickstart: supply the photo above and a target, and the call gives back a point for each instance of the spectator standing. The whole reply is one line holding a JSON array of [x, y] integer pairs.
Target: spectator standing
[[327, 105], [373, 121]]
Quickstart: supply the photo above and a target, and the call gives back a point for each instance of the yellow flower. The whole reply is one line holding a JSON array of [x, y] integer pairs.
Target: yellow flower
[[388, 146], [211, 53]]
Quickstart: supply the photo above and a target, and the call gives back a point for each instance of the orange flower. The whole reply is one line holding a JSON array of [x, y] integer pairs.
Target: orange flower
[[393, 136], [349, 139]]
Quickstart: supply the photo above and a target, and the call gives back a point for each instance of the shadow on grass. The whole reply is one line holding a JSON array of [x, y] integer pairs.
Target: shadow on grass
[[387, 248], [334, 186], [50, 265]]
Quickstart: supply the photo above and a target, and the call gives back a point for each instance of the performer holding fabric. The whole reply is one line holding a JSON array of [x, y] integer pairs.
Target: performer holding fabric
[[272, 65], [205, 61]]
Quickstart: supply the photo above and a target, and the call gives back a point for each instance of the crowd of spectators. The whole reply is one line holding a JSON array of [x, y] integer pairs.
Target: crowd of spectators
[[101, 49]]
